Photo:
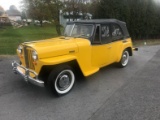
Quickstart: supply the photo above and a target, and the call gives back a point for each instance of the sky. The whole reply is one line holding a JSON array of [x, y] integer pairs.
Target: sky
[[7, 3]]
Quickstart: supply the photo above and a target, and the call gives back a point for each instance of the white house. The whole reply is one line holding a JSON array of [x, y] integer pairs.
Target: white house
[[14, 14], [63, 16], [3, 16]]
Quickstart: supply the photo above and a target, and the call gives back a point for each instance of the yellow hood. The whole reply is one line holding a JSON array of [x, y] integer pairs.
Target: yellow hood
[[54, 47]]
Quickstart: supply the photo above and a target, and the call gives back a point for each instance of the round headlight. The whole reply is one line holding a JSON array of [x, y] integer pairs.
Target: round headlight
[[34, 55], [20, 49]]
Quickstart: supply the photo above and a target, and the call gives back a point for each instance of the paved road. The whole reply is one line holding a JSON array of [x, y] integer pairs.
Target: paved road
[[131, 93]]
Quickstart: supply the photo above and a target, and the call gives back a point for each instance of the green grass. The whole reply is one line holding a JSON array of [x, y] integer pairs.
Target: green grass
[[10, 38]]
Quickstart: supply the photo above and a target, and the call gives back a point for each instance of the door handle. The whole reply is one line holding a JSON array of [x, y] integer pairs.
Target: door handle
[[124, 41], [109, 47]]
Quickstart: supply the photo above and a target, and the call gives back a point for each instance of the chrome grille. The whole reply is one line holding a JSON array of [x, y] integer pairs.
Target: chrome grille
[[28, 58]]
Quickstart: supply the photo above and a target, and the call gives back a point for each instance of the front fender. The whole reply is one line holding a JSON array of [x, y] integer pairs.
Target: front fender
[[85, 69], [57, 60]]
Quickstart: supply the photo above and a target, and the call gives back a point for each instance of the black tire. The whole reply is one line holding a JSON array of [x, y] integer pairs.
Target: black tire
[[61, 80], [124, 59]]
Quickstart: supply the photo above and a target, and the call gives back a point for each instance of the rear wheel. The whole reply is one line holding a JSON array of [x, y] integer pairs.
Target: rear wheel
[[124, 59], [61, 80]]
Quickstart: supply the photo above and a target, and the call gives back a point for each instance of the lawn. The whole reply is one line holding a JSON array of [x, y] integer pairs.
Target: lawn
[[10, 38]]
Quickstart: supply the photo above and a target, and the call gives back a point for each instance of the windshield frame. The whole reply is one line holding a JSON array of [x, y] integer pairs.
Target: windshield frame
[[83, 24]]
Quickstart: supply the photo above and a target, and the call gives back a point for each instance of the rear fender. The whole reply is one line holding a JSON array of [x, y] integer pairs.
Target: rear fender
[[128, 48]]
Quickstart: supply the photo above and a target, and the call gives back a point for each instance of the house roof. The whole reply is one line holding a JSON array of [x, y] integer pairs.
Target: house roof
[[12, 7], [2, 13], [13, 13], [1, 10]]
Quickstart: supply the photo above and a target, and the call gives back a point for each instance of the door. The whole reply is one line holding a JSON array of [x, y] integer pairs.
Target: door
[[101, 46], [117, 37]]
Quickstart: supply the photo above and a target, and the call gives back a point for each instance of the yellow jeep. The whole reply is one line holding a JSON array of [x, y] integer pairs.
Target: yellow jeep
[[85, 47]]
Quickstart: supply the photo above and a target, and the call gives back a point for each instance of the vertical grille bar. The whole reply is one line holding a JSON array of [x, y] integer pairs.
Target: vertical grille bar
[[28, 58]]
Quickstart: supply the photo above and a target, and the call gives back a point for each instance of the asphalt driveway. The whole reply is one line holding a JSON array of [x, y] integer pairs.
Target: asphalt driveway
[[131, 93]]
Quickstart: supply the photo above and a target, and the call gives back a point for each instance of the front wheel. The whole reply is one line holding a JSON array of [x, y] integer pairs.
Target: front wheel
[[124, 59], [61, 80]]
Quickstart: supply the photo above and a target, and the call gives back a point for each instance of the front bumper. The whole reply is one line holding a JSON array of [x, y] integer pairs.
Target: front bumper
[[25, 73]]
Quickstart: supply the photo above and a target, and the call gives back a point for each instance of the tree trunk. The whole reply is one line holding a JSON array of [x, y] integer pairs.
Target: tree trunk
[[41, 23], [58, 29]]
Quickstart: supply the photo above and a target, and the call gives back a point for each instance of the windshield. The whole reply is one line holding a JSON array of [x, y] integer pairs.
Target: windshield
[[79, 30]]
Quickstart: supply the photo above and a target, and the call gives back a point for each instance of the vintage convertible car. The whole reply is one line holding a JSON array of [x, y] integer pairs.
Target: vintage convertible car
[[86, 46]]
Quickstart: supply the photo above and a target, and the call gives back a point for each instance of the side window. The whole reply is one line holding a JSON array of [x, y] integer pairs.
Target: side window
[[116, 32], [97, 35], [105, 34]]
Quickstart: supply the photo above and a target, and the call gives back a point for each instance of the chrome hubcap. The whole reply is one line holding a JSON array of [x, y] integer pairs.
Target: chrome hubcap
[[125, 58], [64, 81]]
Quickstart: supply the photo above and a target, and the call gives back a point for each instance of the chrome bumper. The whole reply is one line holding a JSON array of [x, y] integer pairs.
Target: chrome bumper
[[135, 49], [26, 74]]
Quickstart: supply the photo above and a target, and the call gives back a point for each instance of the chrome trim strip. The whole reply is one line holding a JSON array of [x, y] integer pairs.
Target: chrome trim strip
[[26, 76]]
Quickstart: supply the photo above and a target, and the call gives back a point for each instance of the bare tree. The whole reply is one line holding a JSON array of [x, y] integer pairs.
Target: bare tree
[[36, 9], [54, 7]]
